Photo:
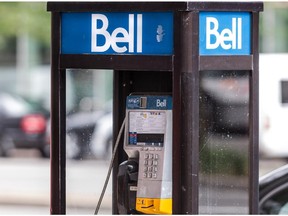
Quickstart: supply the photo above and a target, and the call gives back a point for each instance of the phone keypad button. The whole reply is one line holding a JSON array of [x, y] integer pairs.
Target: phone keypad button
[[150, 165]]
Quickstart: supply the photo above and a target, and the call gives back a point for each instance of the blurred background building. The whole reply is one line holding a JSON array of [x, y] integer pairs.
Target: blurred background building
[[25, 51], [25, 58]]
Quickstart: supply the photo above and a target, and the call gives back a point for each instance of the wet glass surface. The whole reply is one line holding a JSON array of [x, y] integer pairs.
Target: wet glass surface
[[88, 139], [224, 144]]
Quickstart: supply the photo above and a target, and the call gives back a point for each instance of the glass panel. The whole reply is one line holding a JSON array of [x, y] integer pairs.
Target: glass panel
[[224, 144], [88, 139]]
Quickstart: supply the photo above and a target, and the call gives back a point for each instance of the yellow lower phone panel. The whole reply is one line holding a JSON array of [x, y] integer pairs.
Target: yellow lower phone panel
[[154, 206]]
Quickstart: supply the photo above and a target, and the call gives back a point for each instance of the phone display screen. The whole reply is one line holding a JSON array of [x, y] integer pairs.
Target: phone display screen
[[147, 128]]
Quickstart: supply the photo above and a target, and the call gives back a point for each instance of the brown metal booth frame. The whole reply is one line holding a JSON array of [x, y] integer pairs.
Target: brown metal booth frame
[[178, 73]]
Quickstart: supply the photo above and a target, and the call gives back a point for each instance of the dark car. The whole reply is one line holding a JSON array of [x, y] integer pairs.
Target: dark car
[[22, 124], [88, 134], [80, 127], [273, 192]]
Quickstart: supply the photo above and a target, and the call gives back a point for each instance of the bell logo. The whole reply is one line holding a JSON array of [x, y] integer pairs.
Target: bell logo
[[225, 33], [227, 38], [160, 103], [120, 39], [124, 33]]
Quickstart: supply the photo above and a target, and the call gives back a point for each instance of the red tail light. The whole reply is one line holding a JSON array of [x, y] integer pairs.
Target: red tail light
[[266, 123], [33, 124]]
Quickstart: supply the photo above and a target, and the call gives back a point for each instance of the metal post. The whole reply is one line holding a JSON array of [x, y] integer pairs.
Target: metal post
[[176, 153], [189, 145], [254, 119], [58, 127], [190, 113]]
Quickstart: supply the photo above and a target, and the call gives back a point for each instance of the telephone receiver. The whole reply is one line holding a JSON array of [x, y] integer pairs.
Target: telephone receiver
[[144, 181], [127, 187]]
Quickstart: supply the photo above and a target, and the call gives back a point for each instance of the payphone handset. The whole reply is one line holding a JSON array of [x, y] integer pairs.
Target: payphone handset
[[148, 139]]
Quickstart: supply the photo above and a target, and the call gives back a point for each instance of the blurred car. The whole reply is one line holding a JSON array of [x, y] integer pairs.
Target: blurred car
[[273, 192], [101, 142], [80, 127], [224, 99], [88, 134], [22, 124]]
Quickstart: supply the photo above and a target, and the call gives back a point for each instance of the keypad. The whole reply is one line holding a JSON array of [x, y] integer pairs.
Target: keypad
[[151, 161]]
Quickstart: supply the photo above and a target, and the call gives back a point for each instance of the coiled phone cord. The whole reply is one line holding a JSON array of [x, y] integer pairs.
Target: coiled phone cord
[[110, 167]]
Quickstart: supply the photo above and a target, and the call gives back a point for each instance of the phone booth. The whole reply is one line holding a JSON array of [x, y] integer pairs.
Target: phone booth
[[166, 59]]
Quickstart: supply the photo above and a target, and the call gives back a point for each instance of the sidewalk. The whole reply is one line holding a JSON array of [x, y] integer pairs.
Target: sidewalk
[[27, 182]]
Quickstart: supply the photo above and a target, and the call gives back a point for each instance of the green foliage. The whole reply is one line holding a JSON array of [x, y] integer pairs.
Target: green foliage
[[223, 161], [29, 17]]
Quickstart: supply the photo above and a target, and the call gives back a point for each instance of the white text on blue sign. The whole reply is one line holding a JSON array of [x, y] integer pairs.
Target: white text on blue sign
[[223, 33], [147, 33], [117, 37]]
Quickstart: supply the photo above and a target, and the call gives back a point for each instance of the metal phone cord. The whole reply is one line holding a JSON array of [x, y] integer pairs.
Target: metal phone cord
[[110, 168]]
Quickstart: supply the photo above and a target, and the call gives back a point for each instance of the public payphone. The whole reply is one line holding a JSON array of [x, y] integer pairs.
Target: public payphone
[[154, 47], [145, 180]]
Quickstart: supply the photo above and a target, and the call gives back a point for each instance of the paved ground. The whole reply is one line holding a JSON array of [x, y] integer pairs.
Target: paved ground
[[25, 185], [25, 182]]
